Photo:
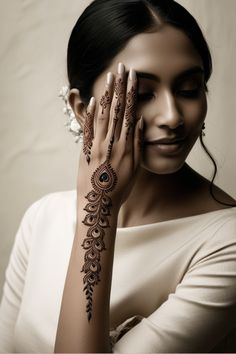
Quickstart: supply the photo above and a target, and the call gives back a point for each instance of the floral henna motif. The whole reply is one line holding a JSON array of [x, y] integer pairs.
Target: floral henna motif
[[118, 88], [105, 100], [98, 208], [130, 110], [88, 136], [103, 180]]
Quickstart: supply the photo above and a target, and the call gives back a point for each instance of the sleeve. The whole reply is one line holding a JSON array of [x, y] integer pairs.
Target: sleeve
[[201, 311], [15, 278]]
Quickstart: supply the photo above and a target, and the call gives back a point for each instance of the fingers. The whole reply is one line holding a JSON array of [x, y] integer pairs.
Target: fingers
[[127, 132], [104, 107], [88, 132], [118, 102], [116, 120]]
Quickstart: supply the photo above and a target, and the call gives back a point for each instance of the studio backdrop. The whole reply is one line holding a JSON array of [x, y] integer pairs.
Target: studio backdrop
[[38, 155]]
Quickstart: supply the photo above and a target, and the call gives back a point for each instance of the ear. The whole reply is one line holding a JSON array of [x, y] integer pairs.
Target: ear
[[77, 105]]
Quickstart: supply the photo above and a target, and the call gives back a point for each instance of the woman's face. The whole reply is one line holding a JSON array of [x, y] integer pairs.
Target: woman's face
[[171, 95]]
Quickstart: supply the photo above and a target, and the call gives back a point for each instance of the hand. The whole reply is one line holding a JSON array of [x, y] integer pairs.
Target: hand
[[107, 169], [112, 141]]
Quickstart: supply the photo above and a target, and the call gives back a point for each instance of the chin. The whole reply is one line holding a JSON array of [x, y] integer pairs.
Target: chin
[[165, 163], [162, 165]]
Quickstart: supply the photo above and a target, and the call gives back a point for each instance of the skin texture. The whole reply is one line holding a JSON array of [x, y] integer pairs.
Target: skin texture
[[104, 179], [166, 112], [169, 188]]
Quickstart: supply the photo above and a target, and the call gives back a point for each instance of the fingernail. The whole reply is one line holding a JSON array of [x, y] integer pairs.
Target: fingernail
[[132, 74], [121, 68], [109, 78], [141, 122], [92, 101]]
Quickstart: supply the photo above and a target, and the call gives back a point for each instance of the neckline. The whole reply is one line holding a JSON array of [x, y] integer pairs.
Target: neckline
[[175, 220]]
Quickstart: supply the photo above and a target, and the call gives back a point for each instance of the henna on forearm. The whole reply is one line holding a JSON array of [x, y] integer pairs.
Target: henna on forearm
[[99, 204], [103, 181], [84, 320]]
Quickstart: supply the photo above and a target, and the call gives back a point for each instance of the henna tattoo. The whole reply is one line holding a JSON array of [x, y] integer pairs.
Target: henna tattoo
[[105, 100], [118, 92], [118, 87], [103, 180], [109, 150], [130, 110], [99, 205], [88, 136]]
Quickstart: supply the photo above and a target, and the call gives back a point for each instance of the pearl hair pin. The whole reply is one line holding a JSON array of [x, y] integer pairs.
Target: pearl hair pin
[[71, 122]]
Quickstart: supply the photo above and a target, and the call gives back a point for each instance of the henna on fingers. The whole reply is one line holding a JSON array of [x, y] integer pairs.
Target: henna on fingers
[[88, 135], [130, 109], [105, 101], [103, 181], [118, 90]]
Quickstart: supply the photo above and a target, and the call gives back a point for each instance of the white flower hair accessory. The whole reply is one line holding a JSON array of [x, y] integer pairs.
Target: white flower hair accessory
[[71, 121]]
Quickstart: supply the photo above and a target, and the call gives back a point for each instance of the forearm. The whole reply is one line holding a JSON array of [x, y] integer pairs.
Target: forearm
[[110, 158], [75, 332]]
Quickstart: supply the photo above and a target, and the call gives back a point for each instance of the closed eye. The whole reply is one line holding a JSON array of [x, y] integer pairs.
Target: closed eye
[[189, 93], [144, 96]]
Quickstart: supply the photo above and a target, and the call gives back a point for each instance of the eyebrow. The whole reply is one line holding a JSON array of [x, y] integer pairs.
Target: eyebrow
[[182, 75]]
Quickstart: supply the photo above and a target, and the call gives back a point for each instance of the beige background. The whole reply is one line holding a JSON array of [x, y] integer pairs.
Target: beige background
[[38, 156]]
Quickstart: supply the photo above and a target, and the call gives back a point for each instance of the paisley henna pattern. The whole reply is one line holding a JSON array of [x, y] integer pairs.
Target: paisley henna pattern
[[98, 208], [88, 136], [105, 100], [130, 110], [103, 180]]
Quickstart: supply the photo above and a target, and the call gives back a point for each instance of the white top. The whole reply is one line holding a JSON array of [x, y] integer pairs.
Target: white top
[[173, 285]]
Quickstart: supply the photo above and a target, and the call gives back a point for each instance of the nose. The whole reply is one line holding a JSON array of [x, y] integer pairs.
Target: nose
[[169, 114]]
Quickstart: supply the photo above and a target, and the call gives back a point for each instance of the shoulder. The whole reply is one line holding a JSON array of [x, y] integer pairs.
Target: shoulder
[[55, 207], [51, 201], [220, 241]]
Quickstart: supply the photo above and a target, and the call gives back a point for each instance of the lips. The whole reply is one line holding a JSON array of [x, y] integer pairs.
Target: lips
[[167, 146], [165, 141]]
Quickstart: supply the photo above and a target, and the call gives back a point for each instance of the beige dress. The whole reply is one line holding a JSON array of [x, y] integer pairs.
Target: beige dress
[[173, 285]]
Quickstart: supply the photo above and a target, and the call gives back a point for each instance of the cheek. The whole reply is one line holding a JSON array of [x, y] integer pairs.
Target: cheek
[[195, 113]]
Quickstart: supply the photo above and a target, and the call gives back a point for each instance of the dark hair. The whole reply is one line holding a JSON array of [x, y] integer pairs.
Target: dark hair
[[106, 26]]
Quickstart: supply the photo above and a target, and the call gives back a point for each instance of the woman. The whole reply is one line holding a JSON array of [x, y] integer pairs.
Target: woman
[[142, 257]]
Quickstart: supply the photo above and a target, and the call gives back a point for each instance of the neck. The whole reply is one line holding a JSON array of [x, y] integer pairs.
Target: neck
[[154, 195]]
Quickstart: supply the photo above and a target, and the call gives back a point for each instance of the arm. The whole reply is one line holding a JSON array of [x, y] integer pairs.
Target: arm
[[75, 333], [84, 318]]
